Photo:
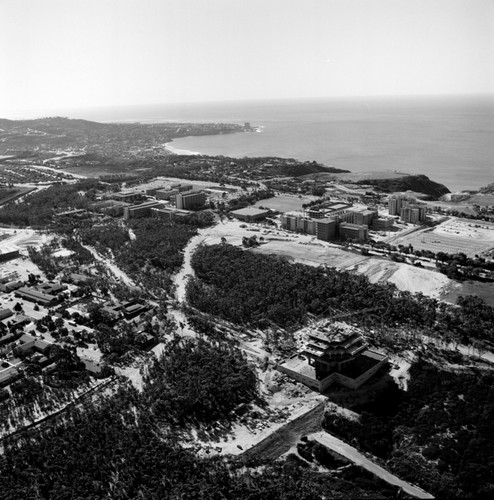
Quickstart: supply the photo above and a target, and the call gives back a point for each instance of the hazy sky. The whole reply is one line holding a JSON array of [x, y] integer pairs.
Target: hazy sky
[[59, 54]]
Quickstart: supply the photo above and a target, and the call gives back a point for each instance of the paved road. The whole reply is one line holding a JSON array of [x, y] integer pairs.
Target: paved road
[[356, 457]]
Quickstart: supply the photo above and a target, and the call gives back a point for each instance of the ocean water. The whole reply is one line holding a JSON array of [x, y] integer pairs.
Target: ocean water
[[449, 139]]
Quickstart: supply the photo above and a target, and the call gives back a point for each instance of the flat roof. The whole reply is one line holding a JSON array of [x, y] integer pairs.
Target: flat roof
[[338, 206], [300, 365]]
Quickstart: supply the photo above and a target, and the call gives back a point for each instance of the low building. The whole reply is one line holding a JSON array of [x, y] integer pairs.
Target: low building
[[353, 231], [166, 194], [33, 295], [8, 253], [382, 224], [28, 344], [8, 375], [127, 196], [334, 353], [250, 214], [11, 286], [113, 208], [93, 368], [5, 313], [78, 279]]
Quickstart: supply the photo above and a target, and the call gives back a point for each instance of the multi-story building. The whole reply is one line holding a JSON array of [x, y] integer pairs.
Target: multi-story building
[[190, 200], [397, 202], [170, 213], [141, 210], [353, 231], [127, 196], [413, 214], [166, 194], [359, 216], [334, 353], [298, 223], [382, 224], [325, 229]]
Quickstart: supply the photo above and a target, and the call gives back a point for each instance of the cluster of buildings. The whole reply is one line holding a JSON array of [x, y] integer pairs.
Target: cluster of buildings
[[43, 294], [159, 201], [336, 220], [407, 208], [334, 353]]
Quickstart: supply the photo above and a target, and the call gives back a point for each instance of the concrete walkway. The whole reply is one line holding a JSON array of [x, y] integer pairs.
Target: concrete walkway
[[357, 458]]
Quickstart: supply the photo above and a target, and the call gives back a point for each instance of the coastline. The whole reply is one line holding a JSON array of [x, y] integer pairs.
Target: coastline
[[176, 151]]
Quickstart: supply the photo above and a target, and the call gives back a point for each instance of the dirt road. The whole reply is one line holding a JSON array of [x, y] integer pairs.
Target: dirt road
[[357, 458]]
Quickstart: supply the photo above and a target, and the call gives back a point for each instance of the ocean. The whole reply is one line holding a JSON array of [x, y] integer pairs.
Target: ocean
[[449, 139]]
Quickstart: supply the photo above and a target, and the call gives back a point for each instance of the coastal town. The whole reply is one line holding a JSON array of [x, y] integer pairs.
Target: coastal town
[[108, 263]]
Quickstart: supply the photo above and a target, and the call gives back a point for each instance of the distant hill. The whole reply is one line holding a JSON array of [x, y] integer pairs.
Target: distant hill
[[489, 189], [416, 183], [21, 137]]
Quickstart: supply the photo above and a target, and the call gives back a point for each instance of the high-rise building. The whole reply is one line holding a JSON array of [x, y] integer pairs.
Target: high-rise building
[[396, 203], [325, 229], [190, 200], [413, 214]]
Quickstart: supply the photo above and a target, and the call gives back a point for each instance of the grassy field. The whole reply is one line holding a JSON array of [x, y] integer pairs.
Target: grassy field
[[285, 203]]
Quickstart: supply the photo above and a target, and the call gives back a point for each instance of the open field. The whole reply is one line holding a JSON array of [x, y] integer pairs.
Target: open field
[[285, 203], [452, 236], [310, 252], [23, 238]]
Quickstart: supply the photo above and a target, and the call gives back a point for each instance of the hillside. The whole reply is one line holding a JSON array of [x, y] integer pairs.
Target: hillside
[[489, 189], [416, 183], [19, 137]]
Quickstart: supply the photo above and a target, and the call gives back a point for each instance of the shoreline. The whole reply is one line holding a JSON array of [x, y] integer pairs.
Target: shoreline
[[176, 151]]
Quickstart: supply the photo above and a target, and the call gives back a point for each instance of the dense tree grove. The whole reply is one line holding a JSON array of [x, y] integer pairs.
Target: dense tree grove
[[246, 287], [199, 382], [155, 253], [438, 434], [37, 208], [119, 448]]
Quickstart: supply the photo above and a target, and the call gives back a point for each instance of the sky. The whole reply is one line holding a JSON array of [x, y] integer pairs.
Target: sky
[[60, 54]]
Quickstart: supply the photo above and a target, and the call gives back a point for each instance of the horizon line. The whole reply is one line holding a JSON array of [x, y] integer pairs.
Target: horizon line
[[22, 114]]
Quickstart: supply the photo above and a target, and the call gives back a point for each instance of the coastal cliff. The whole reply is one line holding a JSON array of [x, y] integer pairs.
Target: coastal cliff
[[416, 183]]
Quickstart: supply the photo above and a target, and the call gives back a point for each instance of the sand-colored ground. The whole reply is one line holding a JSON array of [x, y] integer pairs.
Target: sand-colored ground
[[465, 228], [23, 238], [453, 236], [405, 277]]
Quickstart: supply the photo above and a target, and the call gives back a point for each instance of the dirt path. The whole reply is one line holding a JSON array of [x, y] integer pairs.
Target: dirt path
[[186, 270], [116, 271], [357, 458], [281, 440]]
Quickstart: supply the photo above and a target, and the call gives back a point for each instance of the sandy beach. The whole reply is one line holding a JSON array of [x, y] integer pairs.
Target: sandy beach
[[176, 151]]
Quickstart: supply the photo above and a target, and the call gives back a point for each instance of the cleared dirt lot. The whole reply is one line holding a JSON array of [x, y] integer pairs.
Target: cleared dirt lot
[[456, 235], [310, 252]]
